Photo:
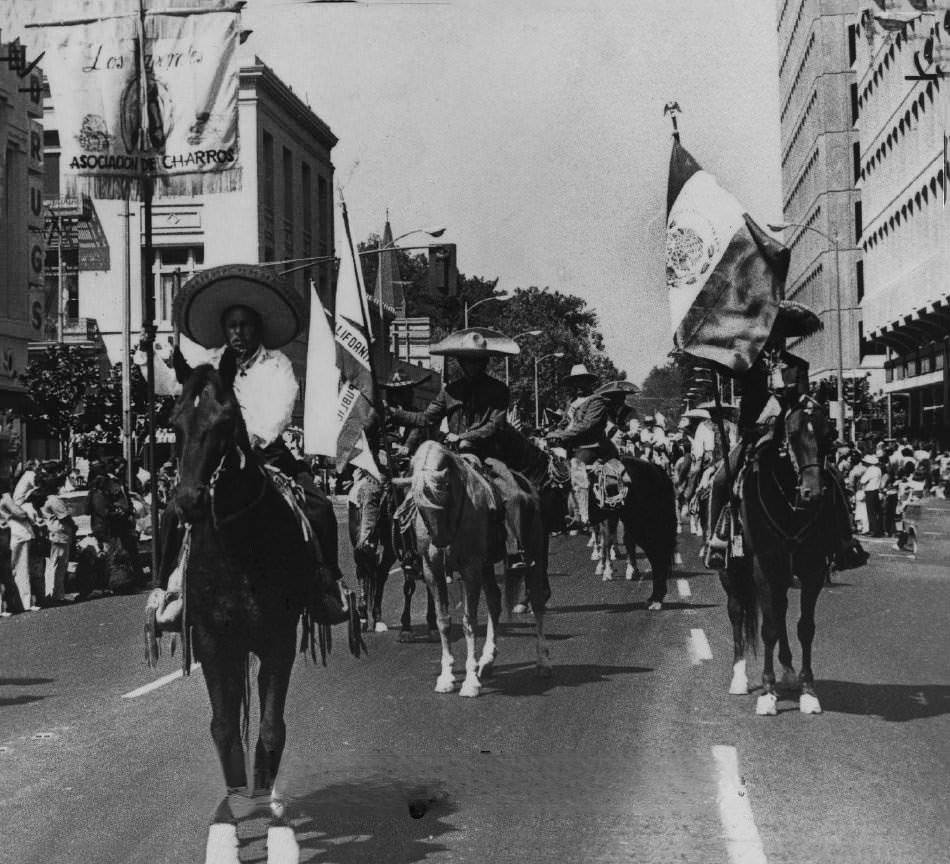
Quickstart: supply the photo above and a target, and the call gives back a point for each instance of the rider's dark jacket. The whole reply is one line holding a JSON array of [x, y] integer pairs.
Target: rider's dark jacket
[[476, 409], [588, 426]]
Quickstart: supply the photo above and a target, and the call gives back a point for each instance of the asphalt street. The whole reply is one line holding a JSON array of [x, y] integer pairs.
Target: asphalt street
[[632, 751]]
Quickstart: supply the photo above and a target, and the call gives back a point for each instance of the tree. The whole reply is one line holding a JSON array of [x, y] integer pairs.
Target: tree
[[80, 402], [662, 391]]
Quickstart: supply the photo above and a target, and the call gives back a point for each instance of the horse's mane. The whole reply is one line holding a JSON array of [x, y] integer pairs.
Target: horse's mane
[[430, 480]]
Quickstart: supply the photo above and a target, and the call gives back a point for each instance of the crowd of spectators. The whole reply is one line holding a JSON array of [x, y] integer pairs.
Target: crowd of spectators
[[886, 478], [46, 558]]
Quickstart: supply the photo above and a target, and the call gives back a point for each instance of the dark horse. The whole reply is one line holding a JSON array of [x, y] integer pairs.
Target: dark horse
[[648, 513], [790, 515], [249, 573], [377, 545]]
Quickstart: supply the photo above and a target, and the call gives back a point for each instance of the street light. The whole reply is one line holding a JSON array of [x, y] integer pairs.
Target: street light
[[537, 407], [479, 303], [833, 238], [515, 339]]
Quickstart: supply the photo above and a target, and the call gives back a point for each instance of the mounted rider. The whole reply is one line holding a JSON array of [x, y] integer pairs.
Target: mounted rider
[[251, 312], [776, 383], [588, 436], [473, 410]]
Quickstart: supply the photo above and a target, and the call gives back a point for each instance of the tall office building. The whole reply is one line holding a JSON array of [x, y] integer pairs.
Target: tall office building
[[906, 242], [820, 155]]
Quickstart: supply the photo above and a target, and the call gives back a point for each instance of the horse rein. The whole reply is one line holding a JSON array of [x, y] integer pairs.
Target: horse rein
[[216, 520]]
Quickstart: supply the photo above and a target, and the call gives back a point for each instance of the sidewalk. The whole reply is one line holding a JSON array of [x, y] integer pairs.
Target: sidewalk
[[933, 536]]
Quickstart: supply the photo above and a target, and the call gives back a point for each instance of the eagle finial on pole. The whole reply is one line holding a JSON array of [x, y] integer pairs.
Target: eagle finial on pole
[[673, 108]]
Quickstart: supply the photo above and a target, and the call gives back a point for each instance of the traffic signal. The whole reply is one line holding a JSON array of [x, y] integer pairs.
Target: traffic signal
[[849, 390], [443, 274]]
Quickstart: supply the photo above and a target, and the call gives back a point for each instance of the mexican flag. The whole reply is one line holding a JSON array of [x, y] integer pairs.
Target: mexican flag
[[725, 275]]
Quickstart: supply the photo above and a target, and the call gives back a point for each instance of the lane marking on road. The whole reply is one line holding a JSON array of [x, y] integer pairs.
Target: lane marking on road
[[683, 587], [699, 649], [158, 682], [735, 810]]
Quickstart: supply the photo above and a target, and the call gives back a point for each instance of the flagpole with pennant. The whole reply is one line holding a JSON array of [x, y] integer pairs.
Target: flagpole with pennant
[[342, 434]]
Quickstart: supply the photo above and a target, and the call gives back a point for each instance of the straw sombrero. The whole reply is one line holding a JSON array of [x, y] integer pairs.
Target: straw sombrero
[[580, 374], [398, 381], [612, 387], [203, 300], [475, 342]]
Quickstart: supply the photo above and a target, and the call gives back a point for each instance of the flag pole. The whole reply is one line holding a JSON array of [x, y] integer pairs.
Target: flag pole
[[148, 291], [364, 309]]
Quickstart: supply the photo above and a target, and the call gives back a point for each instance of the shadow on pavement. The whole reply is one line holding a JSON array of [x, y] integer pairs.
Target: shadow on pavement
[[19, 700], [374, 820], [630, 607], [896, 703], [24, 682], [522, 679]]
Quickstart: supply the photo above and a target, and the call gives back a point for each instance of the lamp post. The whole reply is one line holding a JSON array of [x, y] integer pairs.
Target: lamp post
[[537, 405], [515, 339], [479, 303], [832, 238]]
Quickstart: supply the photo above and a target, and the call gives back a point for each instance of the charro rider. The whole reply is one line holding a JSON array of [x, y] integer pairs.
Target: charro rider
[[775, 383], [251, 312], [586, 437], [474, 408]]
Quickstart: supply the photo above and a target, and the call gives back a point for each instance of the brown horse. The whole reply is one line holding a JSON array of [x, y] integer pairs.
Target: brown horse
[[249, 577], [459, 530], [790, 517]]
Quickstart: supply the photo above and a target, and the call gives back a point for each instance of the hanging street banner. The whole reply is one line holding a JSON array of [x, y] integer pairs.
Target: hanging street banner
[[169, 111]]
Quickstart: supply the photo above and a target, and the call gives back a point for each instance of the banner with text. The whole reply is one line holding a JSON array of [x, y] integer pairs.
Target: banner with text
[[170, 111]]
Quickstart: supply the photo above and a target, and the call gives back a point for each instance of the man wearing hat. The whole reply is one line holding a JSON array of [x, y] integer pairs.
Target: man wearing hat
[[582, 382], [250, 311], [474, 409]]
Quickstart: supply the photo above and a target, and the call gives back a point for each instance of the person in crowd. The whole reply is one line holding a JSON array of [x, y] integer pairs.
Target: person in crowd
[[870, 485], [20, 516], [61, 532]]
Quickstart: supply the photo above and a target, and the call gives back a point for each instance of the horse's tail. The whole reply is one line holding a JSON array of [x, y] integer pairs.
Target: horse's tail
[[744, 586]]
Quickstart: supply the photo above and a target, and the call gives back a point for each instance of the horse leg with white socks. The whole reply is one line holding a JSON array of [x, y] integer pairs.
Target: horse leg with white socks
[[486, 663], [433, 568], [472, 584]]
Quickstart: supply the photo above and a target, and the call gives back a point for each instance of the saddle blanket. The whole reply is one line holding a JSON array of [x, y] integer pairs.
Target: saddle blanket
[[293, 494]]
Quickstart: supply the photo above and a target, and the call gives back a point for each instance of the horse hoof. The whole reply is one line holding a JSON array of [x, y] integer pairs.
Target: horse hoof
[[631, 573], [445, 685], [607, 577], [766, 705], [470, 690], [485, 671], [808, 704], [520, 609], [595, 555], [655, 606], [380, 627], [599, 569], [282, 846], [590, 543], [677, 558], [613, 553], [222, 847]]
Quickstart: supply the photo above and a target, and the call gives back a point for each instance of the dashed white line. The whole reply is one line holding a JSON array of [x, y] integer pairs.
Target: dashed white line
[[158, 682], [683, 587], [699, 649], [735, 810]]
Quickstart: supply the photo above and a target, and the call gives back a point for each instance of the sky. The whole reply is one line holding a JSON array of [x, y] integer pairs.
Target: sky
[[533, 130]]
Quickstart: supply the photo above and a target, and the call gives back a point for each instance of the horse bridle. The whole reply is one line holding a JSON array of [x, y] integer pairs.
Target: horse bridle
[[216, 520]]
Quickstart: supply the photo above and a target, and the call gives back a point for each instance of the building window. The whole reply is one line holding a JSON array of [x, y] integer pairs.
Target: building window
[[859, 279], [288, 168], [852, 44], [926, 365], [857, 222], [267, 164], [938, 361], [910, 368], [854, 104], [856, 156], [174, 266]]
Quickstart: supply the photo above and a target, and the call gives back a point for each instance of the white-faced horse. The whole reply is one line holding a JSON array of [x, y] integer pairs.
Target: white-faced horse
[[459, 531]]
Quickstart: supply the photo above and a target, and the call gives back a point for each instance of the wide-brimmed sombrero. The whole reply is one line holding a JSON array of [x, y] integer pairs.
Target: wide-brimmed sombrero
[[580, 374], [400, 381], [476, 342], [201, 304], [697, 414], [612, 387], [795, 320]]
